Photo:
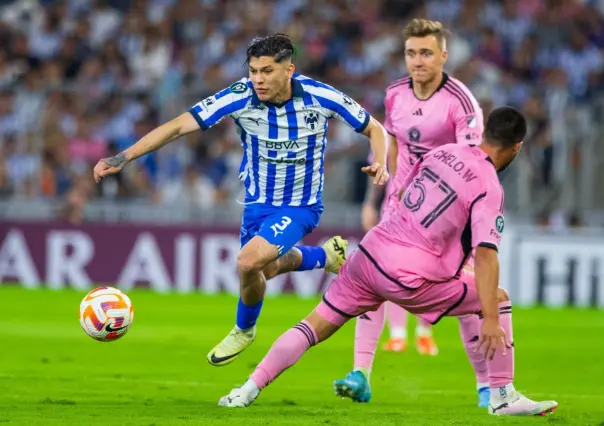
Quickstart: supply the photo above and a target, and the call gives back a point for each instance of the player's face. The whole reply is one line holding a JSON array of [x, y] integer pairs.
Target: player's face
[[270, 78], [424, 58]]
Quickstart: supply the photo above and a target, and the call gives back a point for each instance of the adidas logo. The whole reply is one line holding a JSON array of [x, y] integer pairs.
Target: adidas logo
[[418, 112]]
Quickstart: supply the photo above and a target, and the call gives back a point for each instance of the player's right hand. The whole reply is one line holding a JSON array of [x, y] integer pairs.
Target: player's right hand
[[109, 166], [377, 171], [369, 216], [492, 337]]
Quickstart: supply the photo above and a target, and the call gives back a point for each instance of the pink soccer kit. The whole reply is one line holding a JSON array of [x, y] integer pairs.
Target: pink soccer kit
[[452, 204]]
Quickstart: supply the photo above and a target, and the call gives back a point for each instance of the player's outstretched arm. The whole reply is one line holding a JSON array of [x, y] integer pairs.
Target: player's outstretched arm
[[152, 141], [377, 137]]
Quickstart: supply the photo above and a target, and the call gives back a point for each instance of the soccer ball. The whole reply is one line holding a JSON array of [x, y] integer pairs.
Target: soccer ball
[[106, 314]]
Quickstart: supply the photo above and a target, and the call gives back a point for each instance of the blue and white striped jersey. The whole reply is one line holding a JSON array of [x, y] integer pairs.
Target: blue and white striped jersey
[[283, 145]]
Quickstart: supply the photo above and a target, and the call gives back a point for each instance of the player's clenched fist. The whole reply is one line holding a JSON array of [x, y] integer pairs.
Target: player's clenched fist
[[109, 166], [378, 172]]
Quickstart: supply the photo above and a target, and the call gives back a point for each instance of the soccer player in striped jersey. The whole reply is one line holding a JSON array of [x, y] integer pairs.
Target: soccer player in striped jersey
[[425, 110], [281, 117]]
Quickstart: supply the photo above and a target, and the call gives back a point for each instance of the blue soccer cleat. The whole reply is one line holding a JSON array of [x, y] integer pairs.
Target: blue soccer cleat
[[355, 386], [484, 394]]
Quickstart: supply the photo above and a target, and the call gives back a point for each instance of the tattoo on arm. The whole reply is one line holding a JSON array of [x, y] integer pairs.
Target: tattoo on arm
[[116, 161]]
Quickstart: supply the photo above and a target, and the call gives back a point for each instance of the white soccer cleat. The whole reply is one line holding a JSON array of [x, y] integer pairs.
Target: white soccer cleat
[[335, 252], [231, 346], [519, 405], [237, 398]]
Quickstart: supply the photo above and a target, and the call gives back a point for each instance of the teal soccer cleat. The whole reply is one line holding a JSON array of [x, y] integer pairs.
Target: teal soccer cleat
[[355, 386], [483, 397]]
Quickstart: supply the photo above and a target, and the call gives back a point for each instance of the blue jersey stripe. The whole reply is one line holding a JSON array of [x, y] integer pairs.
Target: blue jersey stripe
[[271, 176], [308, 174], [226, 110], [322, 169], [243, 166], [290, 176], [352, 121], [292, 121], [256, 166], [273, 127], [223, 93], [307, 99], [315, 83]]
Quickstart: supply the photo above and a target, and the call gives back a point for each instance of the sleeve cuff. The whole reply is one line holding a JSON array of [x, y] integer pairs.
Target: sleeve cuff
[[365, 123], [200, 122], [490, 246]]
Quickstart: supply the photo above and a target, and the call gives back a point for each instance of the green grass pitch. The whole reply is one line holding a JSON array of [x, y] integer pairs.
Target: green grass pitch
[[51, 373]]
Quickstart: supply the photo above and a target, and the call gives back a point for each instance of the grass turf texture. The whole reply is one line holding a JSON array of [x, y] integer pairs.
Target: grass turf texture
[[51, 373]]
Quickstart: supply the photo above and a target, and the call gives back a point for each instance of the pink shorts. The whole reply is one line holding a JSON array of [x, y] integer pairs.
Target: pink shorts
[[363, 286]]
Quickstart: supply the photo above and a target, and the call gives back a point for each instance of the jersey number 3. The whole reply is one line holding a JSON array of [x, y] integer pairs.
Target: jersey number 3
[[278, 228], [416, 195]]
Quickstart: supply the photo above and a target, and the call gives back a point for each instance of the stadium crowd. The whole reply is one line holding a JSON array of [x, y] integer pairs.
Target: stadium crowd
[[82, 79]]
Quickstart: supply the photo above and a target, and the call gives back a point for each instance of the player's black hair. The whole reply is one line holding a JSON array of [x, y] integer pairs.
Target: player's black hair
[[506, 126], [279, 46]]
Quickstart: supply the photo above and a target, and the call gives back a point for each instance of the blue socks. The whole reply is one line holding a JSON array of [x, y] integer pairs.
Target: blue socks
[[312, 258], [247, 315]]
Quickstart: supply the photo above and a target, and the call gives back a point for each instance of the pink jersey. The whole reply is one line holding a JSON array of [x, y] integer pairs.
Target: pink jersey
[[450, 115], [453, 202]]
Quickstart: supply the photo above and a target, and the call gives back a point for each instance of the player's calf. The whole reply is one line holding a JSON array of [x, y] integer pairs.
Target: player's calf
[[504, 399], [285, 352]]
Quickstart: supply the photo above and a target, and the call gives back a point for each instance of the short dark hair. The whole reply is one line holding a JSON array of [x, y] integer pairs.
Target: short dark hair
[[424, 28], [279, 46], [506, 126]]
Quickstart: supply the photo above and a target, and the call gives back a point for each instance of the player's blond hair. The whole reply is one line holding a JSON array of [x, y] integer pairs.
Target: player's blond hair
[[425, 27]]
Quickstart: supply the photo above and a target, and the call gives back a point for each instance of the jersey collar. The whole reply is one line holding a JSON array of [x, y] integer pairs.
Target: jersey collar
[[440, 86], [297, 92]]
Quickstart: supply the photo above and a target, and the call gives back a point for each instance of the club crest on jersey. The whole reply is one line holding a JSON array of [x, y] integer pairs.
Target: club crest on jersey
[[311, 118], [414, 134], [238, 87], [499, 224]]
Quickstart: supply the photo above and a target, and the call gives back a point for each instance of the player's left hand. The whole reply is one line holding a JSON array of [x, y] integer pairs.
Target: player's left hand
[[492, 337], [377, 171]]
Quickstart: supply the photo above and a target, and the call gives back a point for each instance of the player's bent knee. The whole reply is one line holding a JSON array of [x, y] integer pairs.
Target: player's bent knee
[[322, 327], [248, 263], [502, 295]]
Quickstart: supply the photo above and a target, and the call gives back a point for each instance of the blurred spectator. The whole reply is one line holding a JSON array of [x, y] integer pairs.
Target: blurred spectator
[[195, 189]]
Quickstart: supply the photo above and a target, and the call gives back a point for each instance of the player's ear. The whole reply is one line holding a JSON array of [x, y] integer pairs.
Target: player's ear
[[291, 69], [517, 147]]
